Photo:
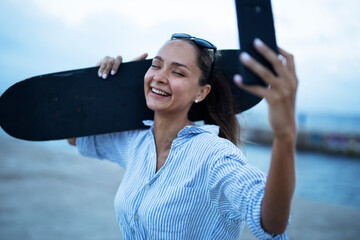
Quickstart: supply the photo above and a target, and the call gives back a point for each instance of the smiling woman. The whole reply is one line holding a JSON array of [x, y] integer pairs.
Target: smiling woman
[[187, 77], [184, 181]]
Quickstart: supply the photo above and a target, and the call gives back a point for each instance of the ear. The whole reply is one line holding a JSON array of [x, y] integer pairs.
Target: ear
[[204, 91]]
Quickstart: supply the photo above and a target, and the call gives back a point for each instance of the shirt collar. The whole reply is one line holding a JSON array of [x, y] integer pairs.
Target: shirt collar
[[148, 123], [189, 130]]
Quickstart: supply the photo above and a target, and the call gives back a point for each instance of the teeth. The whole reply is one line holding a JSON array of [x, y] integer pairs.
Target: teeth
[[159, 92]]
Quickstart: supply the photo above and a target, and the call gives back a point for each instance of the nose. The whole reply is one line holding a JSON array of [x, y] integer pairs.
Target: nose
[[160, 77]]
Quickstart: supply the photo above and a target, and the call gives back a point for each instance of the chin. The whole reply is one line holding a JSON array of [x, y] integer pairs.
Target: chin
[[153, 106], [156, 104]]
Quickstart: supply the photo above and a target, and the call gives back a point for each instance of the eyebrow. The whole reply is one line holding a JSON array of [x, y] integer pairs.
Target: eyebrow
[[177, 64]]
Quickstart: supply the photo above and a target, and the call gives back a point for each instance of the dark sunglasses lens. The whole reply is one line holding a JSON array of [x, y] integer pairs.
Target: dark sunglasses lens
[[200, 42], [181, 35], [204, 43]]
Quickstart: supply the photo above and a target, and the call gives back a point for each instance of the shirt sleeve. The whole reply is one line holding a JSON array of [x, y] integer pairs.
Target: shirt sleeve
[[114, 146], [237, 190]]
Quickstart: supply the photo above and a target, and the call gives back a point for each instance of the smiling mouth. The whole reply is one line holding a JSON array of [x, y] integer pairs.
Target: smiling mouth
[[159, 92]]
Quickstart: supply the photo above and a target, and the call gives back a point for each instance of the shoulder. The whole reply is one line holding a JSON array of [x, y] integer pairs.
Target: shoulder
[[129, 139], [218, 148], [130, 135]]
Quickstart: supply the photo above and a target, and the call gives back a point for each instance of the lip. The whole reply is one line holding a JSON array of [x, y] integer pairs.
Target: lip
[[159, 92]]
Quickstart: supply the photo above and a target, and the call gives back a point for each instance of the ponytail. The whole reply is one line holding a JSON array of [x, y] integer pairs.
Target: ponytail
[[218, 107]]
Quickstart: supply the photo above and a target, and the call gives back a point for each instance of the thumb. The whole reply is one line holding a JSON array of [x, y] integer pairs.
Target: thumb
[[141, 57]]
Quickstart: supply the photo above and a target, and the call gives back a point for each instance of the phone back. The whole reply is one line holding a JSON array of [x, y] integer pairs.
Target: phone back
[[255, 20]]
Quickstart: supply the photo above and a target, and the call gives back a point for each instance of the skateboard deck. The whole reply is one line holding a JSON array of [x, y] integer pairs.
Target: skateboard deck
[[78, 103]]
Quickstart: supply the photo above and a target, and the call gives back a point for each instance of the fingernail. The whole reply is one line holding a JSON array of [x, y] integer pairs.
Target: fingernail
[[104, 76], [237, 78], [258, 42], [112, 72], [245, 57], [100, 74], [283, 60]]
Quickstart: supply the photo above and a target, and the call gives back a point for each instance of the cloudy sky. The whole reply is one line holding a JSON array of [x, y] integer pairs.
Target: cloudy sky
[[43, 36]]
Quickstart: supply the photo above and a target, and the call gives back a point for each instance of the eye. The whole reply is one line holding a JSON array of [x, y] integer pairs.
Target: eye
[[155, 64], [179, 74]]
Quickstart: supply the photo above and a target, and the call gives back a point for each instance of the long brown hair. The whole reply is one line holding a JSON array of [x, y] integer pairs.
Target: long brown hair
[[218, 107]]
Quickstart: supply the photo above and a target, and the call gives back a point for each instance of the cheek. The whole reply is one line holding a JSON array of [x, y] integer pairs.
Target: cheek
[[147, 79], [182, 90]]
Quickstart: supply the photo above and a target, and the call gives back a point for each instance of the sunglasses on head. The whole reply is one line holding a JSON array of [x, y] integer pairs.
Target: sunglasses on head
[[198, 41]]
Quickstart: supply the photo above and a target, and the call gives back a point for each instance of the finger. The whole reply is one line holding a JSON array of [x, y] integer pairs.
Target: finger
[[254, 89], [116, 65], [272, 57], [264, 73], [103, 64], [289, 59], [108, 68], [291, 67], [141, 57]]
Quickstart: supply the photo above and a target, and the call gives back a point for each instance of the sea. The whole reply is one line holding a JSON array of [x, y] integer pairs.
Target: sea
[[331, 179], [322, 177]]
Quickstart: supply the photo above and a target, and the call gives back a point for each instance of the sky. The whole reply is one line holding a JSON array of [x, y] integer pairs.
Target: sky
[[44, 36]]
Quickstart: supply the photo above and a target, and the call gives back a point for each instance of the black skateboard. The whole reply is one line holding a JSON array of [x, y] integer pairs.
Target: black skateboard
[[79, 103]]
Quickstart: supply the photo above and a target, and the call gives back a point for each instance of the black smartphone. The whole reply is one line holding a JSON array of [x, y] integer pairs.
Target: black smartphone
[[255, 20]]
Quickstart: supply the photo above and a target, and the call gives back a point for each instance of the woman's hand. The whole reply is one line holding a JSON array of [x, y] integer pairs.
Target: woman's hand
[[109, 65], [281, 93]]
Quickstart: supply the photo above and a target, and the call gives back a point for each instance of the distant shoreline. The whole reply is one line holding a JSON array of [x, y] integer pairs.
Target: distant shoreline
[[328, 133], [345, 144]]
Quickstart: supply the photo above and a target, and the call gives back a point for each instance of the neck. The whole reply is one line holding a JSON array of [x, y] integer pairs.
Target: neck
[[166, 129]]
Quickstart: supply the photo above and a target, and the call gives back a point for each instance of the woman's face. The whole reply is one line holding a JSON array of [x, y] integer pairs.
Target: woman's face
[[172, 81]]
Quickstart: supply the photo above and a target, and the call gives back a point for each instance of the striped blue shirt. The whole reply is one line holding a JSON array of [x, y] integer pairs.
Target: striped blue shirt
[[205, 189]]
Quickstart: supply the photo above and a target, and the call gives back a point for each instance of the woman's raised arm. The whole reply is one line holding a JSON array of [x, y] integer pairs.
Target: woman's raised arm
[[280, 96]]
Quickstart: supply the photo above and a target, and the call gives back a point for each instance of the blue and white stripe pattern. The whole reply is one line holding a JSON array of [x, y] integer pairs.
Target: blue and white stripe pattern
[[205, 190]]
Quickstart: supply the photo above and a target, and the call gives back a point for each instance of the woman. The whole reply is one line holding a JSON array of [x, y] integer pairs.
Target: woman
[[191, 182]]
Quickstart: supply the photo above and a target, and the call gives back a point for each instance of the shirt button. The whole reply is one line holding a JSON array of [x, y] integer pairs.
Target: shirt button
[[146, 186], [136, 217], [152, 155]]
